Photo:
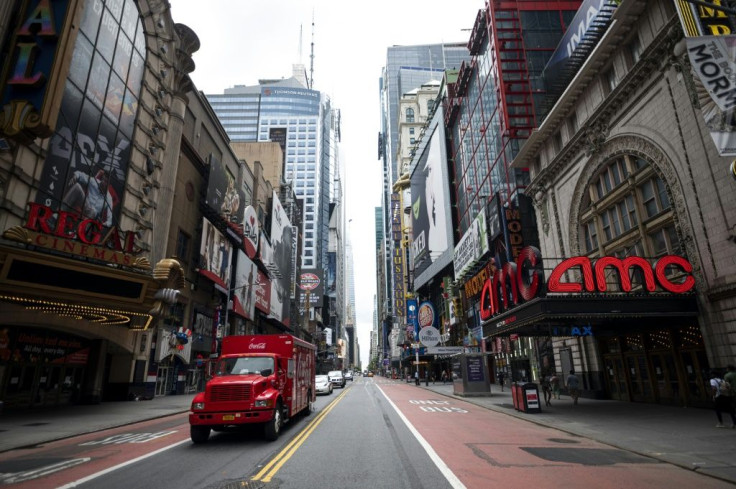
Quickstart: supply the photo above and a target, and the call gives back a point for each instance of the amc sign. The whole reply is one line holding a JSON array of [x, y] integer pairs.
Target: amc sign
[[524, 280]]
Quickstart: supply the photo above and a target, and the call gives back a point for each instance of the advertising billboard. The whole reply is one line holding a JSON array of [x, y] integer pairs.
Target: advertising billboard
[[214, 256], [223, 194], [279, 263], [432, 245], [246, 276]]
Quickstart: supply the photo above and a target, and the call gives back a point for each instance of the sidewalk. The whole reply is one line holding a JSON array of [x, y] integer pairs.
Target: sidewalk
[[686, 437], [33, 427]]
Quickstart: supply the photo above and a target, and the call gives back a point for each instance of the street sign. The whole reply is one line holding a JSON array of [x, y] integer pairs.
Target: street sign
[[444, 350]]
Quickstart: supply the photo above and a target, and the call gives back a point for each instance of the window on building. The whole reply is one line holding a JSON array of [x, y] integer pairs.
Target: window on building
[[634, 50], [430, 106], [409, 115], [628, 211], [182, 246], [609, 80]]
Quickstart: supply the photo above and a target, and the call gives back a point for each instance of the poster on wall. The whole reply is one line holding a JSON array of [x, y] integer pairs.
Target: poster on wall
[[430, 205], [711, 48], [223, 194], [279, 262], [215, 256], [246, 276]]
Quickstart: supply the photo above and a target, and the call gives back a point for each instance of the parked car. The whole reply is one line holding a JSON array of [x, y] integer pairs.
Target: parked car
[[336, 377], [322, 384], [349, 375]]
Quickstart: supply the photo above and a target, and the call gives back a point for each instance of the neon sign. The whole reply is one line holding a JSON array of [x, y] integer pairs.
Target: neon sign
[[524, 280]]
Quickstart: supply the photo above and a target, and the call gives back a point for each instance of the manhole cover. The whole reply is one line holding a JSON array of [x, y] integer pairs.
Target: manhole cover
[[587, 456], [562, 440]]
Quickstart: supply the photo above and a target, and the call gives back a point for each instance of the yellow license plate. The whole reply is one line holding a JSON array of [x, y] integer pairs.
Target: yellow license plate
[[228, 417]]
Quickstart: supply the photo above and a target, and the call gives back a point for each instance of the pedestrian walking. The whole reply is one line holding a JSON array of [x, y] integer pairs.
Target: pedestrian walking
[[547, 390], [554, 381], [416, 377], [730, 377], [573, 386], [444, 376], [722, 398], [500, 379]]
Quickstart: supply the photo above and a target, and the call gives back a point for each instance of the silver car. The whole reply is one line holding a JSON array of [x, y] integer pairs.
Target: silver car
[[322, 384], [337, 379]]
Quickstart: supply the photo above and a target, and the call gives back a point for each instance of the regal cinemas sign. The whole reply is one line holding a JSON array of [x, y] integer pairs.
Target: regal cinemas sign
[[68, 232], [523, 280]]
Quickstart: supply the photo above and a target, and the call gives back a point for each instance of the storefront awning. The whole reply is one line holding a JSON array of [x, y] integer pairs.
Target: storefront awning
[[604, 315]]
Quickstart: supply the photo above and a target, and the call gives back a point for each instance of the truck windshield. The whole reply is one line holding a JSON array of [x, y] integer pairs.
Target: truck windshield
[[244, 365]]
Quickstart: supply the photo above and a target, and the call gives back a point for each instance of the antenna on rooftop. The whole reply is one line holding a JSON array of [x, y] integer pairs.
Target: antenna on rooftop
[[311, 57], [300, 43]]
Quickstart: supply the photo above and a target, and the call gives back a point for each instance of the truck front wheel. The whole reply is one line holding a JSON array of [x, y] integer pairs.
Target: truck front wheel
[[199, 434], [273, 427]]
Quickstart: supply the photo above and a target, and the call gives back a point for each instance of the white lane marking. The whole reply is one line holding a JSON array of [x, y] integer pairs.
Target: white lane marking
[[444, 469], [120, 466], [129, 438], [13, 477]]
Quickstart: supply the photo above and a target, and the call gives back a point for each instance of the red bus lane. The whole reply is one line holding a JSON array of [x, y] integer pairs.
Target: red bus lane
[[56, 464], [481, 447]]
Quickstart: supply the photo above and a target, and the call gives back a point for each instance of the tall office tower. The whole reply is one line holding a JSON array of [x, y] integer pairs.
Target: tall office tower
[[307, 127], [407, 68]]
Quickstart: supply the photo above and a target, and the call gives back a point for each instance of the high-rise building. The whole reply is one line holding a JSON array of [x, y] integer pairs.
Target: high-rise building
[[307, 127], [407, 68]]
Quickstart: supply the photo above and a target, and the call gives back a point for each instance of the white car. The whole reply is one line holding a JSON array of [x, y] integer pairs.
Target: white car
[[337, 379], [349, 375], [322, 384]]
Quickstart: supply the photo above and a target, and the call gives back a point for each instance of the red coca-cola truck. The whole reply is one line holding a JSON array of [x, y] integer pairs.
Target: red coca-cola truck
[[266, 379]]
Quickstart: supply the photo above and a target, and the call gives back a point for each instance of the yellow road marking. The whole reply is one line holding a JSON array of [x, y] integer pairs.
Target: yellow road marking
[[270, 469]]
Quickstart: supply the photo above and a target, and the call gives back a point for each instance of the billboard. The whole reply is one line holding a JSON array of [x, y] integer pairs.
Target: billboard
[[430, 204], [711, 49], [472, 246], [246, 276], [215, 253], [279, 263], [223, 194]]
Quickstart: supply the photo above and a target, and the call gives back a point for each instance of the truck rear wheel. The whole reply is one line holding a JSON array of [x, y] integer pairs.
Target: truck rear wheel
[[199, 434], [273, 427]]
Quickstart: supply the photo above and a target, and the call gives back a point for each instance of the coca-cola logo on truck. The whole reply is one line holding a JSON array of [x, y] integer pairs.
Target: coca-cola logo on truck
[[257, 346]]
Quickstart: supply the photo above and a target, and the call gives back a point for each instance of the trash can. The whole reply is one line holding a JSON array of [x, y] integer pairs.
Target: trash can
[[528, 398]]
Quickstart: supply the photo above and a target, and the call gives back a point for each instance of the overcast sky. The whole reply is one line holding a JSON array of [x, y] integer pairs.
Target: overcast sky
[[243, 41]]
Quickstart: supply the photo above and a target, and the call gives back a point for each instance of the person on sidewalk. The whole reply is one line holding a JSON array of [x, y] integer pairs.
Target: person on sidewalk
[[416, 377], [444, 376], [573, 386], [554, 381], [547, 390], [722, 399], [500, 379], [730, 377]]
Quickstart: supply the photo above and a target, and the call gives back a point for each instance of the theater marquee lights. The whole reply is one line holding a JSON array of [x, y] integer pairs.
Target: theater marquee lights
[[523, 281]]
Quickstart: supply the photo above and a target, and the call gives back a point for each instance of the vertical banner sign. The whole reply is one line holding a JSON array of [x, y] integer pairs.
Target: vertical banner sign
[[711, 47], [412, 323], [397, 261]]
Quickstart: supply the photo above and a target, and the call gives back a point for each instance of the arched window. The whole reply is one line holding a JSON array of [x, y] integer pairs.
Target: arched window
[[87, 161], [409, 115], [627, 211]]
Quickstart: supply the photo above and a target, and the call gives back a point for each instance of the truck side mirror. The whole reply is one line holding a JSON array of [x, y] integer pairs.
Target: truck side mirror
[[266, 372]]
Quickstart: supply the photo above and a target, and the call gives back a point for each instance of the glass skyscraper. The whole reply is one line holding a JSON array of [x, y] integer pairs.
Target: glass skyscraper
[[306, 126]]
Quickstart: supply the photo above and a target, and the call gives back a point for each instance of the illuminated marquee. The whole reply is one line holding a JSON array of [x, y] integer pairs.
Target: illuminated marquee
[[524, 280]]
